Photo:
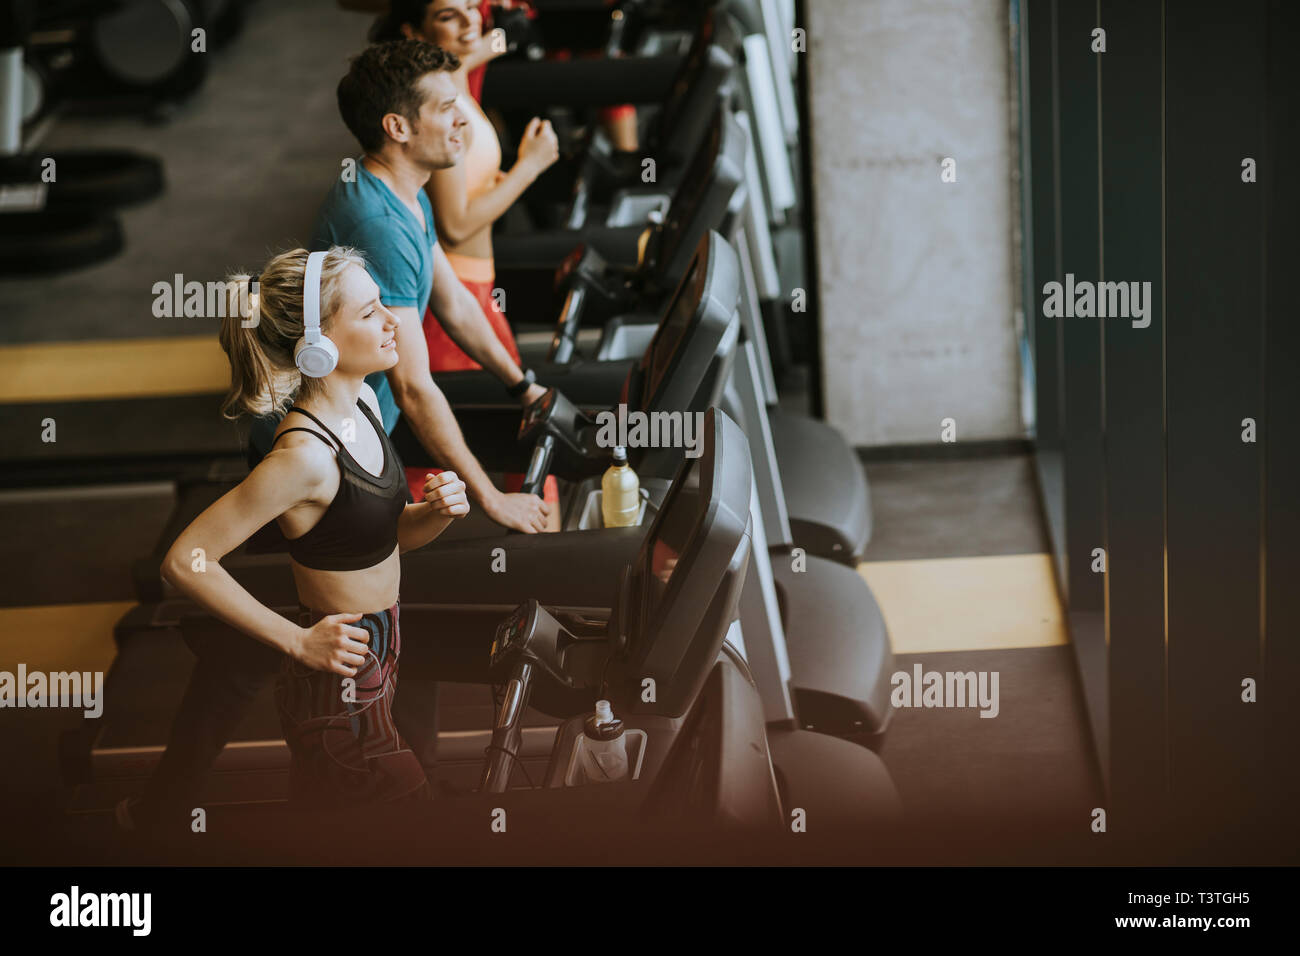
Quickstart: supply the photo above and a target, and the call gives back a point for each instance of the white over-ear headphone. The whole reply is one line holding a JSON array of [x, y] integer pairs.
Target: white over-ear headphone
[[315, 355]]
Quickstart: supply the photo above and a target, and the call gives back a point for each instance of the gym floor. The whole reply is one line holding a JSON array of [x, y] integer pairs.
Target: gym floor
[[958, 561]]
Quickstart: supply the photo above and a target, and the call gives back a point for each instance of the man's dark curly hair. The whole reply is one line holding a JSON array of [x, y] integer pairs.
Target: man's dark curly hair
[[383, 79]]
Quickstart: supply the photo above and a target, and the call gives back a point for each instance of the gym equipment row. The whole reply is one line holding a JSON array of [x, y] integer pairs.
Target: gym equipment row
[[56, 208], [759, 637]]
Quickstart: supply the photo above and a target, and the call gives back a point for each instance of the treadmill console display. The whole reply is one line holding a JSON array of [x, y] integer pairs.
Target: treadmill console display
[[689, 74], [533, 634], [669, 539], [690, 193], [511, 632], [672, 330]]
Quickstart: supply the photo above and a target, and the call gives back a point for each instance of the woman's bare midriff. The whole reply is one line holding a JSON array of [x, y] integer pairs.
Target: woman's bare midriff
[[345, 592], [479, 245], [482, 172]]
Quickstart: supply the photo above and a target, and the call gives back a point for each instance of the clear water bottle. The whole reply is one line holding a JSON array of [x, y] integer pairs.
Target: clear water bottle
[[604, 748], [620, 493]]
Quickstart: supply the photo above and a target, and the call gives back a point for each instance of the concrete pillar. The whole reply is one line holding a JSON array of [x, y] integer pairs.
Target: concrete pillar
[[918, 288]]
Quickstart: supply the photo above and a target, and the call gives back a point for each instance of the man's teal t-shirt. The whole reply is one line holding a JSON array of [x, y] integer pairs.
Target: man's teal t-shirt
[[365, 214]]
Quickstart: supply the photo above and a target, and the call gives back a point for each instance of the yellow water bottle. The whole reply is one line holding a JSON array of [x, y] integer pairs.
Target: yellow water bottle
[[620, 493]]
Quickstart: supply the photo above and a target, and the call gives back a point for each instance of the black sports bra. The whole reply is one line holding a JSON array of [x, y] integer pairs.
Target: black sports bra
[[359, 528]]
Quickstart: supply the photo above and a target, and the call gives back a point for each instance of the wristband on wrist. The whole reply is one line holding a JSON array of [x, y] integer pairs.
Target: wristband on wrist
[[524, 384]]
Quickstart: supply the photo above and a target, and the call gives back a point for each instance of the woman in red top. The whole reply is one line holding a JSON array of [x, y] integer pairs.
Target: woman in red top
[[469, 197]]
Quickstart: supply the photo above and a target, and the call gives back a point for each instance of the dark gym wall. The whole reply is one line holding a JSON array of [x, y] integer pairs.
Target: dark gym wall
[[1281, 445], [1214, 116], [1200, 527], [1132, 234]]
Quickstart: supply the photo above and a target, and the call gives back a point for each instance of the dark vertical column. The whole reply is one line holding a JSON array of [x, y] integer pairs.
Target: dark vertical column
[[1080, 255], [1039, 205], [809, 331], [1042, 257], [1280, 683], [1132, 220], [1214, 117]]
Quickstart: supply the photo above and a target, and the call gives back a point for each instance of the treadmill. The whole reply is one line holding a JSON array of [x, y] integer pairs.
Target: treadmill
[[633, 260], [700, 751]]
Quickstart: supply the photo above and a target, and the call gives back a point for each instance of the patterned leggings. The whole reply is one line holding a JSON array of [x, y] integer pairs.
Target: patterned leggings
[[345, 747]]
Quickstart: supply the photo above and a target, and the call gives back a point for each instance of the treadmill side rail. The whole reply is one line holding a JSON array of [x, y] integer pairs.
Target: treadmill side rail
[[840, 656], [719, 772]]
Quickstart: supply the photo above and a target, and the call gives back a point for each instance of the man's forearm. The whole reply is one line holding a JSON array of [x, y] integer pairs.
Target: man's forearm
[[430, 417], [469, 328]]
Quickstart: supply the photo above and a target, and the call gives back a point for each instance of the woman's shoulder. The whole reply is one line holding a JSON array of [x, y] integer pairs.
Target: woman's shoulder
[[299, 467], [305, 444]]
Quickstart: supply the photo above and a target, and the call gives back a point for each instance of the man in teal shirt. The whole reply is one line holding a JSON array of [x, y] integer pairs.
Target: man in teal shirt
[[398, 100], [362, 211]]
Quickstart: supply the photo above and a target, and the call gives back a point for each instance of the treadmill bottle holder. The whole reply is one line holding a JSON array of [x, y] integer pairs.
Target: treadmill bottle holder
[[589, 512], [632, 208], [636, 747], [584, 511]]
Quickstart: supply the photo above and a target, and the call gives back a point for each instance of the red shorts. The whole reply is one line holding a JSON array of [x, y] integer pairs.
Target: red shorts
[[446, 356], [609, 114]]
